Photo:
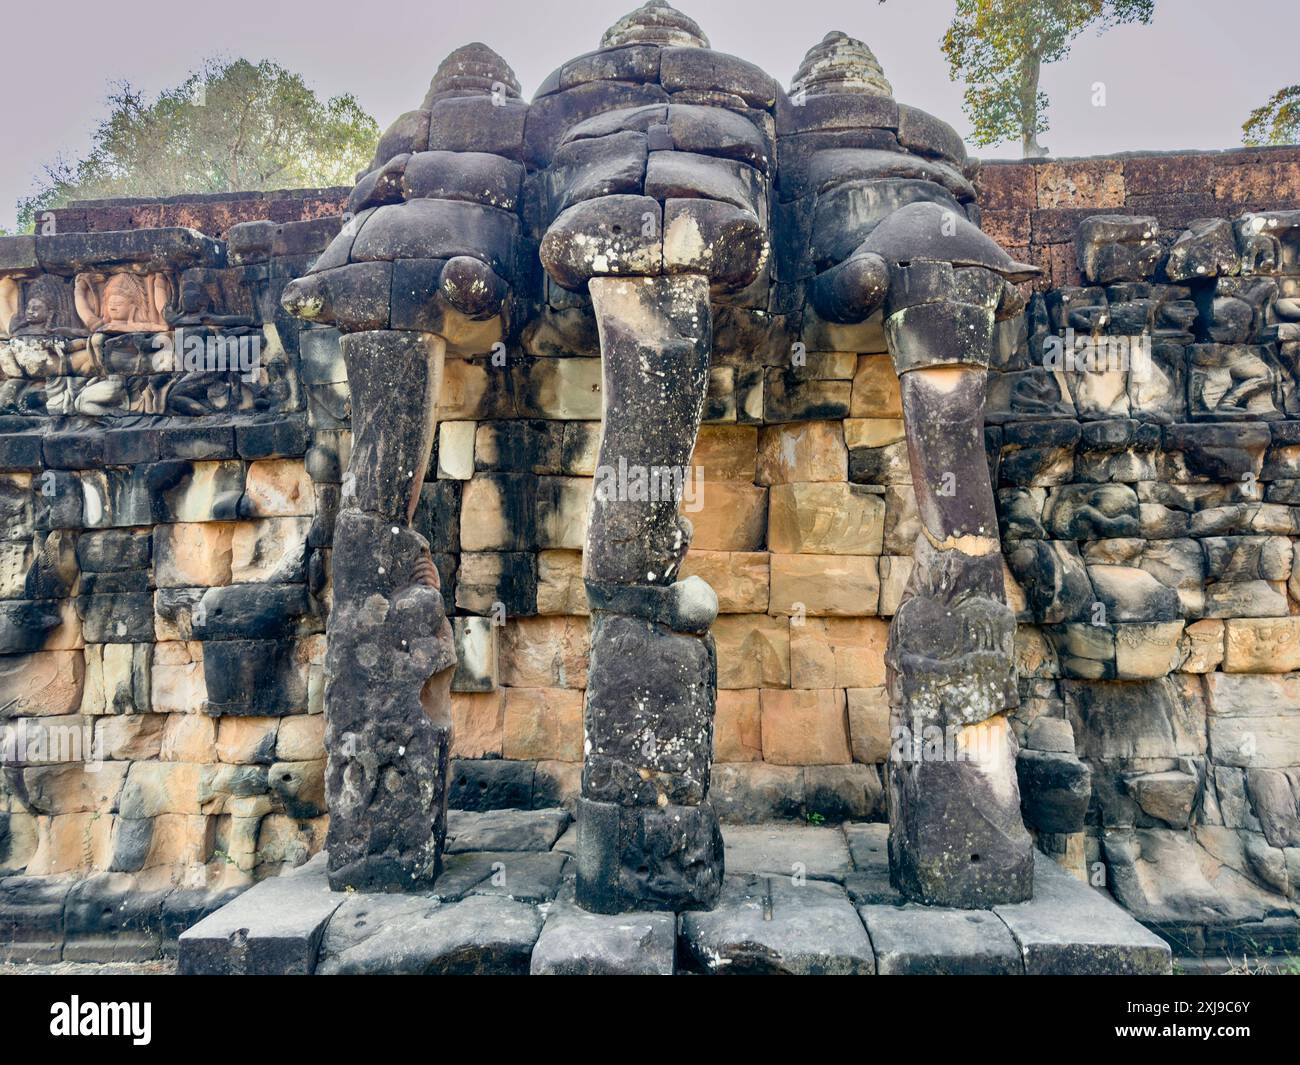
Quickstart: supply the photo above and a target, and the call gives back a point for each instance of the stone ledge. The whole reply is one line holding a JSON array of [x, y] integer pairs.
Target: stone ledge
[[501, 912], [99, 919]]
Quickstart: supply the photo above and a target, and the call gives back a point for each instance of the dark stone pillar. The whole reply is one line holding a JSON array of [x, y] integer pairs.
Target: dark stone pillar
[[390, 654], [648, 836], [956, 834]]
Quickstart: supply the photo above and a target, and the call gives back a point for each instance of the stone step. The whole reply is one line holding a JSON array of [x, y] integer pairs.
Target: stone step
[[797, 900]]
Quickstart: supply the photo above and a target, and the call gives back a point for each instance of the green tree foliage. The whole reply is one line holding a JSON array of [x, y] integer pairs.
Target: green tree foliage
[[232, 126], [999, 47], [1277, 122]]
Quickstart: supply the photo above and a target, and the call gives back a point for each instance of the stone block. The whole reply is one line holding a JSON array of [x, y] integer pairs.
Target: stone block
[[545, 652], [273, 929], [278, 488], [456, 450], [177, 682], [269, 551], [560, 589], [834, 793], [1147, 650], [729, 516], [838, 653], [753, 651], [478, 719], [189, 738], [737, 727], [739, 578], [824, 585], [504, 830], [869, 728], [755, 792], [492, 581], [498, 513], [490, 784], [805, 727], [1201, 646], [1071, 929], [542, 723], [574, 942], [917, 940], [829, 518], [1261, 645], [192, 554], [875, 389], [300, 738], [421, 935], [803, 451], [477, 667], [42, 683], [767, 925], [1253, 719], [726, 452]]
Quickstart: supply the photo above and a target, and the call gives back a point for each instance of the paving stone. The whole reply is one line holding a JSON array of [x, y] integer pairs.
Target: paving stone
[[787, 850], [568, 842], [526, 876], [577, 943], [273, 929], [1068, 928], [421, 935], [813, 930], [915, 940], [504, 830], [868, 883]]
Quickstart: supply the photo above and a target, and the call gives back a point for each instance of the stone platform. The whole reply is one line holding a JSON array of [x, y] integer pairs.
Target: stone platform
[[797, 899]]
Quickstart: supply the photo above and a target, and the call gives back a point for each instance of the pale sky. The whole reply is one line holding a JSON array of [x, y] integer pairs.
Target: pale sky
[[1187, 81]]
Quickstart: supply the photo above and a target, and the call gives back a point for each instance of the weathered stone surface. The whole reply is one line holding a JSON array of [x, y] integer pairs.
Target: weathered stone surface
[[388, 740], [753, 651], [1168, 796], [653, 858], [419, 935], [799, 851], [542, 723], [490, 784], [957, 838], [1071, 928], [824, 585], [1261, 645], [805, 727], [274, 929], [1170, 878], [769, 925], [755, 791], [825, 519], [576, 943], [1055, 788], [837, 653], [504, 830], [806, 451], [916, 940], [658, 748]]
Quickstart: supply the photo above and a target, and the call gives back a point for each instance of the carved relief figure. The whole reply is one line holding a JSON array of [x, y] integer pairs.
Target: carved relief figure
[[123, 302], [48, 309]]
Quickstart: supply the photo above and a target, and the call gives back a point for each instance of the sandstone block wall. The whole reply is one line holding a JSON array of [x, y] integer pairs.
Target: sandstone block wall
[[1033, 208], [165, 537]]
